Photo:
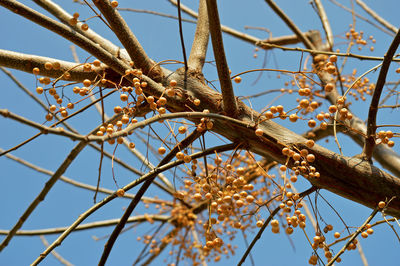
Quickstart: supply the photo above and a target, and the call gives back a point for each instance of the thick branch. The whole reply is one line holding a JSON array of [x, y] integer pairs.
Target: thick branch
[[228, 97], [26, 62], [373, 108], [200, 43], [128, 39]]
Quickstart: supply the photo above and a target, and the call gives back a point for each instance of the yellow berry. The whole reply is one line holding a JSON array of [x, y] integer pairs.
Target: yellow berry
[[381, 204], [120, 192], [259, 132], [114, 4], [237, 79], [39, 90], [36, 71]]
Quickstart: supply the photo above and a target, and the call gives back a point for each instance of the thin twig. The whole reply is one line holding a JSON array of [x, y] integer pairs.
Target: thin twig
[[290, 24], [44, 129], [200, 43], [92, 225], [55, 253], [361, 17], [182, 40], [228, 96], [373, 108], [359, 230], [378, 18], [65, 18]]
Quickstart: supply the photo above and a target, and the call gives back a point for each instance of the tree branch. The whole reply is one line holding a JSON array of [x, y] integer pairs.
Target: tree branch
[[68, 33], [65, 17], [200, 43], [44, 129], [228, 97], [128, 39], [92, 225], [378, 18], [325, 22], [26, 62], [290, 24], [373, 108]]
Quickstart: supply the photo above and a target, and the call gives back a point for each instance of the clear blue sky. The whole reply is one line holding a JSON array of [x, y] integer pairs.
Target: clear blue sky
[[159, 36]]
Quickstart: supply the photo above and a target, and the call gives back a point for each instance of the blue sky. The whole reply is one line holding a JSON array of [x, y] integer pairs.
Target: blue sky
[[159, 36]]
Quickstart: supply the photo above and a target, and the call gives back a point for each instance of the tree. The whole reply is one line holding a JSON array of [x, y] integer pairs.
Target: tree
[[210, 164]]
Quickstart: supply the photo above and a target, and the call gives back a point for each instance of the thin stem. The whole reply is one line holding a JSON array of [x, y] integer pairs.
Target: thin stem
[[373, 108], [182, 39], [228, 97]]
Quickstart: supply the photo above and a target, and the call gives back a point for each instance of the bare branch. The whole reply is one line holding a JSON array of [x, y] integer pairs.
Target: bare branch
[[200, 43], [378, 18], [128, 39], [361, 17], [373, 108], [26, 62], [44, 129], [92, 225], [49, 184], [325, 22], [290, 24], [65, 18], [68, 33], [228, 97], [55, 254]]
